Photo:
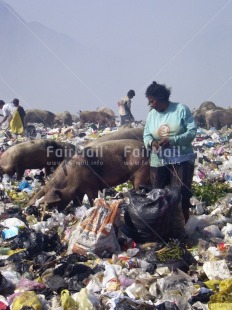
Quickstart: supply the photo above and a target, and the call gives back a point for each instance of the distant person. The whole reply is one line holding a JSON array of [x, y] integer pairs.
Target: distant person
[[17, 119], [7, 112], [125, 108], [1, 105], [20, 109]]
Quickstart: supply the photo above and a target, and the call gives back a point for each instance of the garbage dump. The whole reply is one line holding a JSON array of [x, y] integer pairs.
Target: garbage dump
[[125, 252]]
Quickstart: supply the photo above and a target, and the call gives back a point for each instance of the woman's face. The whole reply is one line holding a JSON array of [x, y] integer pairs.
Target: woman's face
[[156, 104]]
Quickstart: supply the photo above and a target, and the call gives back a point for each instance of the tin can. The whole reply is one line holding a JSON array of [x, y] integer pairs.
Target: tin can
[[132, 263]]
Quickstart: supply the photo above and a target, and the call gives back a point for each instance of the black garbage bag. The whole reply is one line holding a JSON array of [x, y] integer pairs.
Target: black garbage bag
[[36, 242], [6, 287], [74, 284], [167, 305], [30, 240], [151, 268], [80, 270], [56, 284], [60, 269], [203, 298], [43, 260], [127, 304], [46, 291], [33, 210], [71, 259], [54, 243], [76, 258], [19, 257], [110, 192], [22, 267], [149, 216]]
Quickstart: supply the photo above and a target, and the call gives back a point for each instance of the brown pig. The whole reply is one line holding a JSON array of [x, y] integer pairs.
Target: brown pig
[[39, 116], [63, 119], [101, 118], [104, 165], [106, 110], [125, 133], [35, 154]]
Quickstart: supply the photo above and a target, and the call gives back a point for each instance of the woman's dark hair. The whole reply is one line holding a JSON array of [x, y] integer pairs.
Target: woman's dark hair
[[131, 93], [158, 91]]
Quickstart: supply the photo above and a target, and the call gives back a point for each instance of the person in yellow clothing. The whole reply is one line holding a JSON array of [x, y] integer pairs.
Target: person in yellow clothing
[[17, 120], [13, 117]]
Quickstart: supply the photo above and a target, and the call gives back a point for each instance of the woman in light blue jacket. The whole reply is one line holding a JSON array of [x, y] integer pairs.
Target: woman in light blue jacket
[[169, 132]]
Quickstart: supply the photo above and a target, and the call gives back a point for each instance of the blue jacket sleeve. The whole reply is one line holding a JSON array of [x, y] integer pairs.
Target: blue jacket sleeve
[[147, 136]]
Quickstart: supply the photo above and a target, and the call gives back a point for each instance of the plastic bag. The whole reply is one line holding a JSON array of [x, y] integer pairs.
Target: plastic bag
[[27, 299], [216, 270], [222, 300], [110, 280], [83, 300], [127, 304], [3, 303], [16, 124], [212, 231], [176, 288], [67, 301], [95, 232], [200, 221], [152, 219], [6, 287]]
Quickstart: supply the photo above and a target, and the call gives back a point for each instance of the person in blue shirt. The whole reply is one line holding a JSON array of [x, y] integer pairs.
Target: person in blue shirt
[[169, 132]]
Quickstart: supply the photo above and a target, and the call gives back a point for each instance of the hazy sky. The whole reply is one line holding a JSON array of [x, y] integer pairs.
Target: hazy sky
[[186, 45]]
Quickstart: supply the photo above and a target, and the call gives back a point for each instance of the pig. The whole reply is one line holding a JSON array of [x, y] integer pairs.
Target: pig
[[106, 110], [218, 118], [75, 118], [101, 118], [35, 154], [104, 165], [63, 119], [125, 133], [39, 116]]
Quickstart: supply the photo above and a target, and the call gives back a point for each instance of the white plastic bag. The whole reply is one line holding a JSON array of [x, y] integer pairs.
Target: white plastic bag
[[95, 231], [216, 270]]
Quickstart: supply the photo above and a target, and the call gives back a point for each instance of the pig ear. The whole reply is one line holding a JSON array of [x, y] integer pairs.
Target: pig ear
[[54, 196]]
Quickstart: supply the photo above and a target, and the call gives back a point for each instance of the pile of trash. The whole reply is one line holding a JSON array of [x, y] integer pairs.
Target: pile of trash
[[115, 255]]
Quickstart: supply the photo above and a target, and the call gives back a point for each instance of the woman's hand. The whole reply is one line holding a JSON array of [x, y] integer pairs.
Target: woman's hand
[[155, 145], [164, 142]]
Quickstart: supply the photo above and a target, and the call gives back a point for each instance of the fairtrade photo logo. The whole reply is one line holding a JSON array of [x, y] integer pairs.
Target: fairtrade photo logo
[[164, 131], [136, 152]]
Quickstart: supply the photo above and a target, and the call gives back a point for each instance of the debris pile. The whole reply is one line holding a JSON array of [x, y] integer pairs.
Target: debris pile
[[105, 257]]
